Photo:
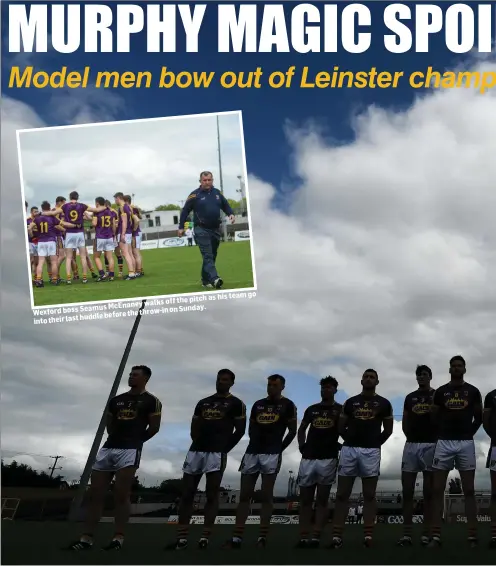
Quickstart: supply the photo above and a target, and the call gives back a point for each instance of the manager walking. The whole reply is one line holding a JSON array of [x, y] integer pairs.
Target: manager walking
[[206, 202]]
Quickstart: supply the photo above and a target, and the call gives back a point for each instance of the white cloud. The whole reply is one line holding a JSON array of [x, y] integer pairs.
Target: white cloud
[[159, 161], [385, 259]]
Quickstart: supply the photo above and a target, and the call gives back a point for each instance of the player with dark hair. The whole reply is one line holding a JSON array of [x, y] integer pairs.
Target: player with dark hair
[[418, 453], [104, 240], [457, 416], [136, 236], [125, 233], [269, 419], [365, 424], [46, 228], [133, 418], [73, 212], [32, 241], [319, 449], [218, 424], [490, 428]]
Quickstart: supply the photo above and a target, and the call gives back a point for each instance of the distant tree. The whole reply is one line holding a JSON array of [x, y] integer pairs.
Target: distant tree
[[22, 475], [234, 204], [168, 207], [171, 487]]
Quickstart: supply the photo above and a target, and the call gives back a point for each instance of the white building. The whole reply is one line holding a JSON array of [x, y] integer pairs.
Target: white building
[[154, 221]]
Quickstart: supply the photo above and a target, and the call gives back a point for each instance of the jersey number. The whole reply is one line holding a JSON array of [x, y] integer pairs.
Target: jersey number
[[44, 227], [105, 221], [73, 215]]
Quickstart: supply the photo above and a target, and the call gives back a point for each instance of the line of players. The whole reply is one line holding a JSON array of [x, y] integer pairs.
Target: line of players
[[56, 234], [439, 426]]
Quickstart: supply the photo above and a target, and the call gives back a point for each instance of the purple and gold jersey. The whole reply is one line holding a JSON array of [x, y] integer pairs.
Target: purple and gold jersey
[[104, 228], [45, 228], [31, 239], [74, 213], [135, 211], [125, 210]]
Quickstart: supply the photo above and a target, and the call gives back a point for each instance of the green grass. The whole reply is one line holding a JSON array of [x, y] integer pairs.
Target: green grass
[[168, 271], [41, 543]]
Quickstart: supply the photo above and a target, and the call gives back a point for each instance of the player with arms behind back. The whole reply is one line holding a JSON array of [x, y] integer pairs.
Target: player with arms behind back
[[125, 234], [366, 423], [133, 418], [490, 428], [269, 420], [457, 416], [218, 424], [319, 450], [418, 452]]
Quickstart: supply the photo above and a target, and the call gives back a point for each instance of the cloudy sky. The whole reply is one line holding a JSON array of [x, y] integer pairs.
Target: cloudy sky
[[158, 161], [374, 236]]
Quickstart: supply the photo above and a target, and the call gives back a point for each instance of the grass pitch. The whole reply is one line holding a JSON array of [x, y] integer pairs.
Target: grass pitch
[[168, 271], [40, 543]]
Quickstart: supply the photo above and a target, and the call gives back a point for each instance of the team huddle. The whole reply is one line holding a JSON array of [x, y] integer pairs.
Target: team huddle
[[335, 441], [56, 235]]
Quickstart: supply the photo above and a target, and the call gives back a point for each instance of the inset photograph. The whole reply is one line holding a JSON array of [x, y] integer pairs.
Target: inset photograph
[[136, 209]]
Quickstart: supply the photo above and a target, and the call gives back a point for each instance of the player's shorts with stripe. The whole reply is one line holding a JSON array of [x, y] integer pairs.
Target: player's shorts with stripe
[[458, 454], [418, 457], [128, 238], [359, 462], [114, 459], [137, 240], [47, 249], [74, 240], [105, 245], [491, 459], [33, 248], [198, 463], [265, 464], [317, 472]]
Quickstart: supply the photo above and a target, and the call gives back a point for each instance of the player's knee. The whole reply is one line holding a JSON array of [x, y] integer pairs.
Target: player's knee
[[408, 494], [245, 497], [321, 501], [266, 497], [342, 497], [493, 497], [369, 497]]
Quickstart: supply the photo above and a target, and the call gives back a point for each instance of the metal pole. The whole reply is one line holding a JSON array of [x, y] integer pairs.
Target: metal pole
[[221, 181], [85, 477]]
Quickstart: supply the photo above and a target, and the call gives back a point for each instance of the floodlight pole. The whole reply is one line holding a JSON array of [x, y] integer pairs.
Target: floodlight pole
[[85, 477], [221, 181]]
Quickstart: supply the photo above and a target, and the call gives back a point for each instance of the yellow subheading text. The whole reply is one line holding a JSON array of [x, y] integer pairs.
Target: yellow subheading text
[[41, 79], [185, 79], [349, 79], [127, 79], [483, 81]]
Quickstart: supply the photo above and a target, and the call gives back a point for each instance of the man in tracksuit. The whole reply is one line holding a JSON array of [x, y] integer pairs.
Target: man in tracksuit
[[206, 202]]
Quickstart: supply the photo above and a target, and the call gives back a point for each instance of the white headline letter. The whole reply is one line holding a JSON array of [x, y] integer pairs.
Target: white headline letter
[[22, 30], [192, 24], [243, 28], [305, 38], [401, 41], [348, 28]]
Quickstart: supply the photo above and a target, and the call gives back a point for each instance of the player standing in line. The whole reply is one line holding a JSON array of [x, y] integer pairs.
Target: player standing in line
[[33, 241], [418, 453], [46, 228], [490, 428], [319, 463], [104, 240], [133, 418], [269, 420], [218, 424], [366, 423], [125, 234], [136, 236], [457, 416], [117, 250]]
